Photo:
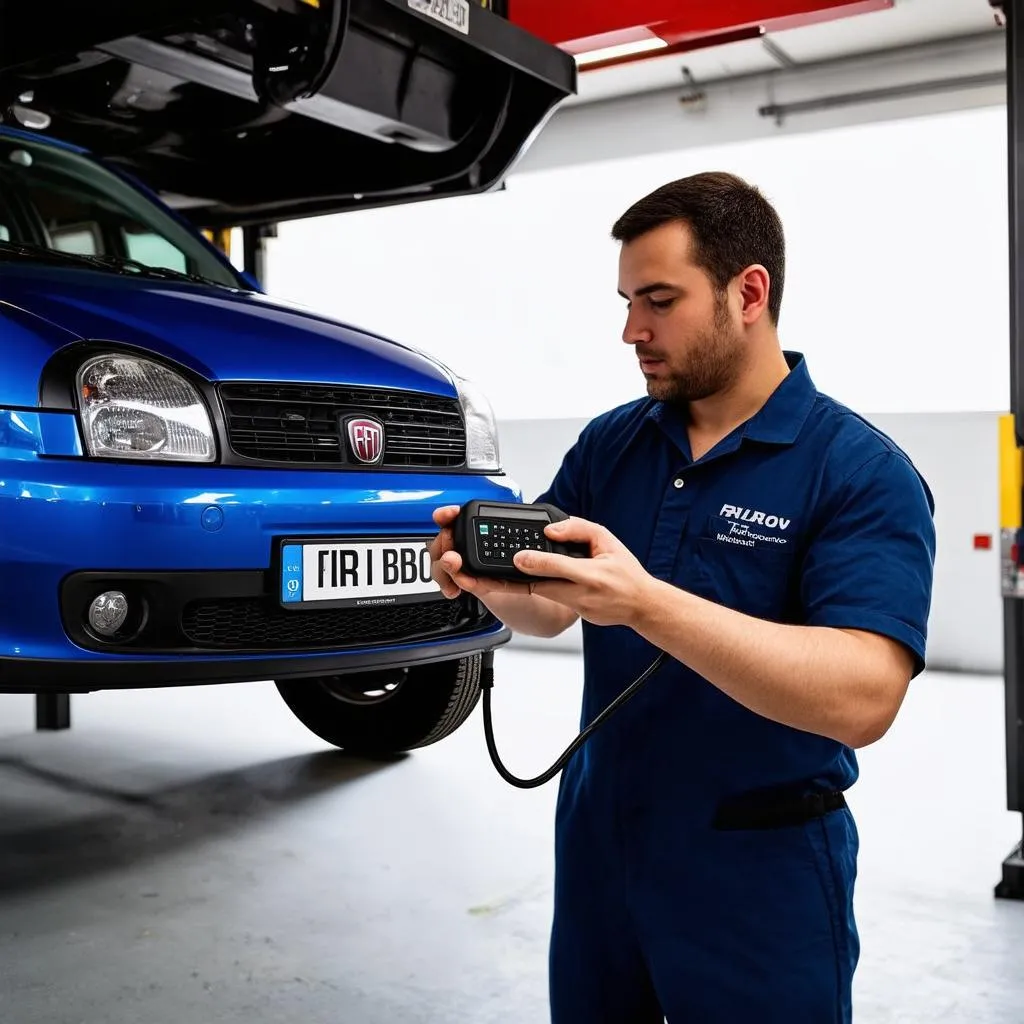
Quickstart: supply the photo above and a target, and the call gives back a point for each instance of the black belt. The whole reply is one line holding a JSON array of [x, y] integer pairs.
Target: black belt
[[776, 808]]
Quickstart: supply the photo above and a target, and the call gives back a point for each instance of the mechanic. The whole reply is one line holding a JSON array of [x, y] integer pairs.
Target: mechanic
[[780, 550]]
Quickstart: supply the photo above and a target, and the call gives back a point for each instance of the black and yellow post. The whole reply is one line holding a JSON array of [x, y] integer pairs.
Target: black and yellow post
[[254, 249], [254, 254], [1011, 482], [1011, 885], [221, 238]]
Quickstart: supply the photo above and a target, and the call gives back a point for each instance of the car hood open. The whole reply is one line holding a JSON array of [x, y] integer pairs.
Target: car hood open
[[218, 333], [242, 112]]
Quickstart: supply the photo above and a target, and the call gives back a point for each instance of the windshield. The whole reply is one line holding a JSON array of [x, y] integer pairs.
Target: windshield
[[59, 201]]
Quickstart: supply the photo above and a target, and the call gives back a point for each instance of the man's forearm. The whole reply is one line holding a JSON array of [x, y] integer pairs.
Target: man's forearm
[[831, 682]]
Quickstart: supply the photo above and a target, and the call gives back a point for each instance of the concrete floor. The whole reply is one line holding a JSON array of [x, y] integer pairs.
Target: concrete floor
[[194, 856]]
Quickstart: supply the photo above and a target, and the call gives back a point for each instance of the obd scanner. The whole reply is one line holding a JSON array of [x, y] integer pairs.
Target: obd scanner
[[487, 535]]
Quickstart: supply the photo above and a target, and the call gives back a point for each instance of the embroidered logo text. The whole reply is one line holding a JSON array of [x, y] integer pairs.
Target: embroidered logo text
[[749, 515], [740, 526]]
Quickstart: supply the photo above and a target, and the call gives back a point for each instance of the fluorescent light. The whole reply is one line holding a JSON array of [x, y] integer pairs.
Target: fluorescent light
[[622, 50]]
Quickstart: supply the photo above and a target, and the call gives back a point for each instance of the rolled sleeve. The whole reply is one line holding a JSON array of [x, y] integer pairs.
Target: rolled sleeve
[[871, 565]]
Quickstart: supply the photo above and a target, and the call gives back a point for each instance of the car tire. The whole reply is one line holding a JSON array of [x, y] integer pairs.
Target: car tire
[[380, 713]]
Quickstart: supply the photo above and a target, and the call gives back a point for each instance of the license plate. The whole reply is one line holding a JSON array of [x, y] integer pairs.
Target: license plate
[[453, 13], [365, 574]]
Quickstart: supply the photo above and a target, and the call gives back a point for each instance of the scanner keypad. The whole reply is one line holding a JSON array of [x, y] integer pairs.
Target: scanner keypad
[[498, 541]]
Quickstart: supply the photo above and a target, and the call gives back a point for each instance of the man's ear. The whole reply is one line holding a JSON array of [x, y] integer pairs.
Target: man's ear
[[754, 289]]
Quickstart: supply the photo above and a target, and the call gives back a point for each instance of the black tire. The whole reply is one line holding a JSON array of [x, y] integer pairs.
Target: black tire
[[387, 712]]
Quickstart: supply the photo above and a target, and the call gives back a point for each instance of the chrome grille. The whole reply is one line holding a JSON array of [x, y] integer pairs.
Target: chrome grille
[[303, 424]]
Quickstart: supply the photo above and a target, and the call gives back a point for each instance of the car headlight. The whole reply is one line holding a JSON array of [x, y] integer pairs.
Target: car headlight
[[134, 408], [481, 428]]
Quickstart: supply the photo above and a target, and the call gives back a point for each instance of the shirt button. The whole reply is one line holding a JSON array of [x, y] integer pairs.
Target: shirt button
[[678, 482]]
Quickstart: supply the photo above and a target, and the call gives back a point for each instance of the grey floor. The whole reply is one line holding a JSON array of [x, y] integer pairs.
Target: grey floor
[[195, 856]]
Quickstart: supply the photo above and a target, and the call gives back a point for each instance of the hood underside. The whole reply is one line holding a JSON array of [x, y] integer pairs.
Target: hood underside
[[246, 112]]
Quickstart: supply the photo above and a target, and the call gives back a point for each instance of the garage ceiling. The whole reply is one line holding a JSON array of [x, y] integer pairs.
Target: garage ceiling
[[906, 23]]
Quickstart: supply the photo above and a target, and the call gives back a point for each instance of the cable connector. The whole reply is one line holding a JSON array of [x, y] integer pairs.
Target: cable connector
[[487, 670]]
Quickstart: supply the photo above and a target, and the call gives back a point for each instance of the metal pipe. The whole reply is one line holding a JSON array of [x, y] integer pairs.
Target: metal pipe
[[890, 92]]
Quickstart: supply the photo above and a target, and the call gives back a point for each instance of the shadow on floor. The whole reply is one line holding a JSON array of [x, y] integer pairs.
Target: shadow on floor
[[83, 836]]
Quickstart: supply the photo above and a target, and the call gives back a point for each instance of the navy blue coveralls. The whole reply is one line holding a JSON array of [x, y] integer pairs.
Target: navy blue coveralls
[[670, 900]]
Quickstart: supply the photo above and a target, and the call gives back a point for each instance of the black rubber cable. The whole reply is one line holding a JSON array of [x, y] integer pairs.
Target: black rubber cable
[[487, 685]]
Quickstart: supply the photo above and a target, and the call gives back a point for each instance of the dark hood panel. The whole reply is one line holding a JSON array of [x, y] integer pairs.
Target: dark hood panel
[[256, 111]]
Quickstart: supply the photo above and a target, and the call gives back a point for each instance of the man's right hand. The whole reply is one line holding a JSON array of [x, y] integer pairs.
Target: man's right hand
[[509, 602]]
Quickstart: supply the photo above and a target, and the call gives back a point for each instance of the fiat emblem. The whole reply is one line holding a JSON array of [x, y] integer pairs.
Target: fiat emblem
[[366, 439]]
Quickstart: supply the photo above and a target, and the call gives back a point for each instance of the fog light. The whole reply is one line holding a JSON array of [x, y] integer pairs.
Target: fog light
[[108, 612]]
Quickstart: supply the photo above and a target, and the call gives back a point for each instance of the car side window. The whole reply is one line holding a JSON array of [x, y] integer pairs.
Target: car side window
[[81, 224], [149, 248], [70, 223], [82, 238], [8, 228], [62, 201]]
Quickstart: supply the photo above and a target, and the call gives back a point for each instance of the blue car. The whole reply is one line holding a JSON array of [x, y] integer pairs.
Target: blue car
[[199, 484]]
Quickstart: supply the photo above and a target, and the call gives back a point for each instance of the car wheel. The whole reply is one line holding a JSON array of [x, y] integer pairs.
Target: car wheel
[[379, 713]]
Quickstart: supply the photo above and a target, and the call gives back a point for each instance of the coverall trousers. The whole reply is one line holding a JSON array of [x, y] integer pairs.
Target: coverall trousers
[[657, 918]]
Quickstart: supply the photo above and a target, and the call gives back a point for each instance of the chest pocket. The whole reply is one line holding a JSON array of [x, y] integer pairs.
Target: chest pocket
[[747, 570]]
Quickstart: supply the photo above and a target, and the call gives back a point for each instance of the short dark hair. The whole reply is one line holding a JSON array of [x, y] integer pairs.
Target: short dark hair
[[732, 224]]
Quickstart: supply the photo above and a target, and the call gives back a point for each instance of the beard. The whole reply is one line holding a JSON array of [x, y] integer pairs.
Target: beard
[[714, 363]]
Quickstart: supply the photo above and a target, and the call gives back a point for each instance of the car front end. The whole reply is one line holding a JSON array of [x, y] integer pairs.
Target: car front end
[[171, 529], [201, 484], [197, 483]]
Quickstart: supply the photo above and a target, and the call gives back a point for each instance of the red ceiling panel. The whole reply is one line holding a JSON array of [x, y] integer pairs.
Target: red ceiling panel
[[582, 25]]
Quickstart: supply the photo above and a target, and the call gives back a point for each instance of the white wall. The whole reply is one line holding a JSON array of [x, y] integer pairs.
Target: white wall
[[958, 453], [896, 284]]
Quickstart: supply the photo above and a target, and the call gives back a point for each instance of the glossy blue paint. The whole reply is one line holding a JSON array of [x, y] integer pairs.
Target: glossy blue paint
[[62, 516], [27, 435], [216, 332], [26, 342], [62, 512], [212, 518], [138, 516]]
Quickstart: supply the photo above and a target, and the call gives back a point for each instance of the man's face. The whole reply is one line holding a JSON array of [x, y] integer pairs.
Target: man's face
[[687, 338]]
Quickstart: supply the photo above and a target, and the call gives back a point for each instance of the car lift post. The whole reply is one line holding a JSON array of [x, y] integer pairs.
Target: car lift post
[[254, 249], [1011, 886], [53, 711]]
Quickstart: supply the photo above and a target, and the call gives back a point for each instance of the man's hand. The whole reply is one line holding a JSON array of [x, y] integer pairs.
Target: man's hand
[[607, 589], [511, 603], [446, 564]]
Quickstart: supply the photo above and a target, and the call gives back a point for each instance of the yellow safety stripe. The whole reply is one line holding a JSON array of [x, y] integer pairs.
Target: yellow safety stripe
[[1011, 475]]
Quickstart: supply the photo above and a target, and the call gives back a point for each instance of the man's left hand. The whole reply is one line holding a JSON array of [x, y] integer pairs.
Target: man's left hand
[[607, 589]]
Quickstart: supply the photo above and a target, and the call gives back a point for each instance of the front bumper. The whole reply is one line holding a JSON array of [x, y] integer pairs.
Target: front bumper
[[198, 543], [38, 675]]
